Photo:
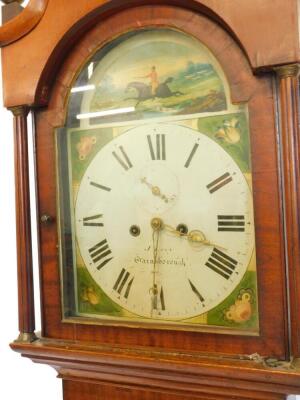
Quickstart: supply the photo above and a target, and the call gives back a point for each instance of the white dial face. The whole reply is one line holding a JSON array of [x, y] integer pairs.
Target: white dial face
[[185, 181]]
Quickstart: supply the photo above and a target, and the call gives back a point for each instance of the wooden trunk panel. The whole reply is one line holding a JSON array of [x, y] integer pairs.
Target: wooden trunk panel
[[76, 390], [84, 391]]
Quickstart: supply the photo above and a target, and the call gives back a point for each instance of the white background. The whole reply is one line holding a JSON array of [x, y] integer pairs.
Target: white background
[[19, 376]]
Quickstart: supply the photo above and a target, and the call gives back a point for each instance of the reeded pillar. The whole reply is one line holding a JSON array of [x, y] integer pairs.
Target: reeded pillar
[[288, 109], [23, 227]]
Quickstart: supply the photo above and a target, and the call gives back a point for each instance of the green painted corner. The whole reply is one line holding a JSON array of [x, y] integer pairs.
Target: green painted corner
[[98, 302], [218, 128], [102, 137], [217, 316]]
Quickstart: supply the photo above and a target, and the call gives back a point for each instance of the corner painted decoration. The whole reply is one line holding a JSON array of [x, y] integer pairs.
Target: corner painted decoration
[[156, 222]]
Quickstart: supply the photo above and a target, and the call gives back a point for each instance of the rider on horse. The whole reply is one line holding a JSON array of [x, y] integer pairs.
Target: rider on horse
[[153, 80]]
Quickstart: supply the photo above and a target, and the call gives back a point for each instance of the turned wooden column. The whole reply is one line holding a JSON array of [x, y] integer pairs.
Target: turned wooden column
[[23, 227], [288, 109]]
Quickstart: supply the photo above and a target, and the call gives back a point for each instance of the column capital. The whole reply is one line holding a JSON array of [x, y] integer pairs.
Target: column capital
[[288, 70], [19, 111]]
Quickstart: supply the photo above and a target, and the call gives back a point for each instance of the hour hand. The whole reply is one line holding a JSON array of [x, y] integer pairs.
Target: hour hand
[[195, 237], [155, 190], [199, 237]]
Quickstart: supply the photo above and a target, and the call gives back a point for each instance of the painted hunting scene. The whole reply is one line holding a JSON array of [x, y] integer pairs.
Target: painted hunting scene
[[154, 75]]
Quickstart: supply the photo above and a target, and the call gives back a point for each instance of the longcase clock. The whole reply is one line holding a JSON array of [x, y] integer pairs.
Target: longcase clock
[[167, 168]]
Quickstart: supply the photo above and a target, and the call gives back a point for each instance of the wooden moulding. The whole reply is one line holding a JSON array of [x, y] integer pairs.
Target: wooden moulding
[[23, 227], [22, 24], [155, 371], [66, 21], [288, 110]]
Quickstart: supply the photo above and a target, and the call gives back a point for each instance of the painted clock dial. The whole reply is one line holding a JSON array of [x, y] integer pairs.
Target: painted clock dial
[[182, 178], [156, 215]]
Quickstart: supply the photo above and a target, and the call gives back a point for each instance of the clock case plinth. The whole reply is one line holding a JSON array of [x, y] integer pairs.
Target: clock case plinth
[[115, 372], [150, 364]]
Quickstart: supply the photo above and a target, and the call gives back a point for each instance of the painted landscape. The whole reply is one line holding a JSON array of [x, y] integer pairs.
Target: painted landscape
[[155, 76]]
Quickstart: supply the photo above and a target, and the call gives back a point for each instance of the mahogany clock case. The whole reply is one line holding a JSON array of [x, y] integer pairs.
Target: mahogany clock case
[[257, 47], [260, 95]]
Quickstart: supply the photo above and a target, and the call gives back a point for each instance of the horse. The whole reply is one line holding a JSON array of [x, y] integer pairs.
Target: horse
[[145, 92]]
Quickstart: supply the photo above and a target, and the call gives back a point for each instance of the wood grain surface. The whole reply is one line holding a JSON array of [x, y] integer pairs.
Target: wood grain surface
[[288, 108], [267, 31]]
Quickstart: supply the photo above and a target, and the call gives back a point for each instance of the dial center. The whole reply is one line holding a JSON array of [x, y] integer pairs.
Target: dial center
[[156, 188], [156, 191], [157, 224]]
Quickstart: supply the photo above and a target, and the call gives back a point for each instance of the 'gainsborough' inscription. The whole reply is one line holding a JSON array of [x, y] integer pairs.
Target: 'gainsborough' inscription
[[160, 260]]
